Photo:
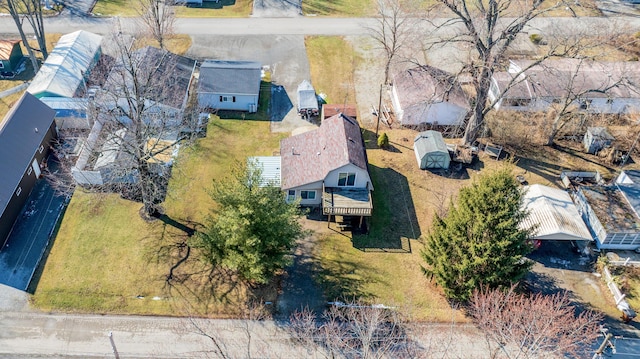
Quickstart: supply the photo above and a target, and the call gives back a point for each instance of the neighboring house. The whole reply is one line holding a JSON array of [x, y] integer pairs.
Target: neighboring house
[[595, 87], [328, 167], [611, 212], [10, 55], [427, 96], [166, 79], [65, 72], [229, 85], [553, 215], [431, 150], [25, 136]]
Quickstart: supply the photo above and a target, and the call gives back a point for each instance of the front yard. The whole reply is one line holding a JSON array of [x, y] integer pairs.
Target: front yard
[[106, 259]]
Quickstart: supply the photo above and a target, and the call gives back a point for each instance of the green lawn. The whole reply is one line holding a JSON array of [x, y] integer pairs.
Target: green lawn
[[105, 256], [354, 8], [332, 55], [223, 8]]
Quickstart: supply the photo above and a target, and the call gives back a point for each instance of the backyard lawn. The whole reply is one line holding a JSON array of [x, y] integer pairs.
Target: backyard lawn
[[106, 259], [222, 8]]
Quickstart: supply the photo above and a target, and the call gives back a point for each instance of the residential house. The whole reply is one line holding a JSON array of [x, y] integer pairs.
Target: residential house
[[26, 134], [10, 56], [427, 96], [166, 80], [229, 85], [611, 212], [553, 215], [65, 72], [590, 86], [328, 167]]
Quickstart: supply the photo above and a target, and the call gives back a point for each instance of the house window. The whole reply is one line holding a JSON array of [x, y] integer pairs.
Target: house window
[[291, 195], [227, 98], [346, 179], [234, 99], [609, 100], [308, 194], [18, 191], [41, 148], [1, 65], [30, 170]]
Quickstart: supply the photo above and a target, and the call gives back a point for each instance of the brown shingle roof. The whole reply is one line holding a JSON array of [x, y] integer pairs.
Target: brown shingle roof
[[552, 78], [5, 48], [310, 156], [427, 84]]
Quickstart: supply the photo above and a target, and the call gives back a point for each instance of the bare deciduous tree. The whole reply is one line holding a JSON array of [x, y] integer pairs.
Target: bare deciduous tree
[[392, 30], [141, 115], [534, 326], [158, 18], [30, 10], [354, 330]]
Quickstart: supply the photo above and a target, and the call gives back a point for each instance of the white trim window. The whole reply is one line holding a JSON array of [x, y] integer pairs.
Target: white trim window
[[291, 195], [18, 191], [346, 179], [41, 148], [310, 195]]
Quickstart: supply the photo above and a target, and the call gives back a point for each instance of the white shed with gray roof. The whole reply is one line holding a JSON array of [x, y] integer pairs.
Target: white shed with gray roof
[[553, 215], [431, 150], [229, 85]]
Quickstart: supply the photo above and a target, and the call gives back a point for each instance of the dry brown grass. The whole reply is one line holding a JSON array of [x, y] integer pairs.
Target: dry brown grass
[[177, 44]]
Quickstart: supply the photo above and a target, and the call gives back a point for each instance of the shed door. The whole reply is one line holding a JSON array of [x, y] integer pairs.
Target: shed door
[[36, 167]]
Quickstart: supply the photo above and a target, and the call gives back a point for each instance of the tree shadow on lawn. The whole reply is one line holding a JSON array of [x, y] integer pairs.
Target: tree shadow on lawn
[[343, 280], [394, 221]]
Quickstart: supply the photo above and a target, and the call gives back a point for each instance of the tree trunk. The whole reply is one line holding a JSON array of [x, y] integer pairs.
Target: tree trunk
[[476, 121], [147, 189], [23, 37]]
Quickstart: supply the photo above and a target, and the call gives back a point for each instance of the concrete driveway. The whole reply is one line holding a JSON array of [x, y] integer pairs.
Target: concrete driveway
[[284, 55], [30, 236]]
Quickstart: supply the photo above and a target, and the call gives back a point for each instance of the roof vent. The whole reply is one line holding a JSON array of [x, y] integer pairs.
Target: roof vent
[[318, 153], [36, 130]]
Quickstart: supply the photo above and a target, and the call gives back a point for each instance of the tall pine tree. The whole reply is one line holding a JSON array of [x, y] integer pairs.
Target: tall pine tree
[[252, 228], [480, 242]]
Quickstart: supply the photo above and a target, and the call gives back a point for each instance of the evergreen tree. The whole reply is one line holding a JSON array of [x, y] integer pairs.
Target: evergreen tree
[[480, 242], [252, 229]]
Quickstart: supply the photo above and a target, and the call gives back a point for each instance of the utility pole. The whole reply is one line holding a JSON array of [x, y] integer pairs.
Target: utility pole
[[379, 111], [113, 346]]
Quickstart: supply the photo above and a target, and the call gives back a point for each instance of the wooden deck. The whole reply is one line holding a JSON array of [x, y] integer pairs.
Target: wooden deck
[[346, 201]]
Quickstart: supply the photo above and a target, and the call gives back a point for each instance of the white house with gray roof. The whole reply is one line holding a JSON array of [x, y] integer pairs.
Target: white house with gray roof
[[229, 85]]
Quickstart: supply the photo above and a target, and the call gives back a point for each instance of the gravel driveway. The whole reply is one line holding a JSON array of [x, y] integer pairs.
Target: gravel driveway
[[277, 8]]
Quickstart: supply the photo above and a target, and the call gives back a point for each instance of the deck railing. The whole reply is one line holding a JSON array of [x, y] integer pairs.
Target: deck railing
[[346, 211]]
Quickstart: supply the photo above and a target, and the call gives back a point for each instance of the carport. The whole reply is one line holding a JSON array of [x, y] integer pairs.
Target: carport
[[554, 214]]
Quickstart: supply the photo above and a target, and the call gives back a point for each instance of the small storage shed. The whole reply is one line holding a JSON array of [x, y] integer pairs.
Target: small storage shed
[[596, 138], [10, 55], [431, 151]]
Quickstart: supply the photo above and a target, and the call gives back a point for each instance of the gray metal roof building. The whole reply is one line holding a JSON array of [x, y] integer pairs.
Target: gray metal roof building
[[21, 133], [230, 77], [554, 214]]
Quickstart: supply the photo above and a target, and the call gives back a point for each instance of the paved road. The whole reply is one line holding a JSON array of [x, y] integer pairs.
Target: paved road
[[40, 335], [295, 25]]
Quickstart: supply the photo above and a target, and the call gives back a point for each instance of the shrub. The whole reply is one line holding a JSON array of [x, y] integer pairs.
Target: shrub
[[536, 38], [383, 140]]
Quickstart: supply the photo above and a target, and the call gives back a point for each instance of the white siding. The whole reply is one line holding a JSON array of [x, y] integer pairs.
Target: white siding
[[444, 113], [362, 177], [243, 102], [396, 104], [316, 186]]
